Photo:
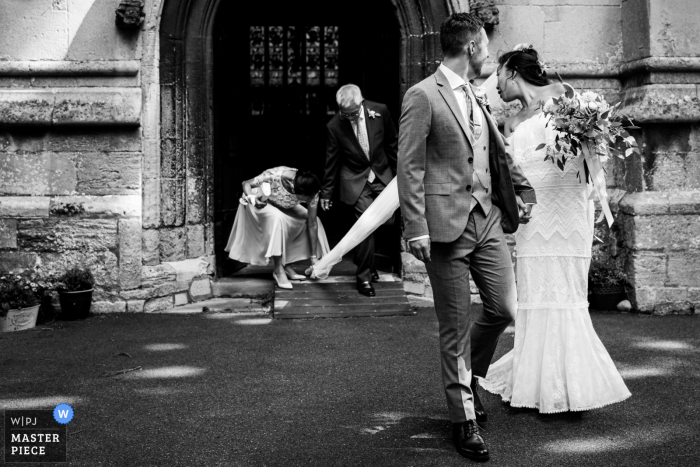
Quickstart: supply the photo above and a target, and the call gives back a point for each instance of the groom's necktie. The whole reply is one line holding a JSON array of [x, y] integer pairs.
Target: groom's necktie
[[361, 132], [473, 127]]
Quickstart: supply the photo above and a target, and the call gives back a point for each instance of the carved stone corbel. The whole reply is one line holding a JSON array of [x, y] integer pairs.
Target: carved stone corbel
[[487, 11], [130, 14]]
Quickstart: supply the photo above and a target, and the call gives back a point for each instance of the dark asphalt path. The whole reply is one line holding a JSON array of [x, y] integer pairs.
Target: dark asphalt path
[[223, 389]]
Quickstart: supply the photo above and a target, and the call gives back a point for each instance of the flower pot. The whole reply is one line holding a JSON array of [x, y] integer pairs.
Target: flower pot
[[75, 305], [606, 297], [20, 319]]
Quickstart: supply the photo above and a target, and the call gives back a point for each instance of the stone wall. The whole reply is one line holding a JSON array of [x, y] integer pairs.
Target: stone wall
[[104, 155]]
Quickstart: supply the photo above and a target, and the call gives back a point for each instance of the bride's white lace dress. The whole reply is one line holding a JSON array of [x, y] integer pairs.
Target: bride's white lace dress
[[558, 362]]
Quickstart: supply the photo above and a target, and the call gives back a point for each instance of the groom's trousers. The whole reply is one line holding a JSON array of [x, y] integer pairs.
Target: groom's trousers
[[467, 343]]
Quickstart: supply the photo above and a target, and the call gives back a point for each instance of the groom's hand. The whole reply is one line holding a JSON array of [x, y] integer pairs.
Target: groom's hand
[[523, 210], [326, 204], [421, 249]]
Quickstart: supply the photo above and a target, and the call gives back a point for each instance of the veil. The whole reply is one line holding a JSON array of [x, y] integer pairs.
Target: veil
[[382, 208]]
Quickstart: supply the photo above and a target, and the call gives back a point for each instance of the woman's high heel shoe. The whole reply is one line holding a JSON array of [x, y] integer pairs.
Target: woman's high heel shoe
[[292, 275], [281, 285]]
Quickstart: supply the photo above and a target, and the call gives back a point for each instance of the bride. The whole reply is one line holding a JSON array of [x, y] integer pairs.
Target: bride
[[558, 363]]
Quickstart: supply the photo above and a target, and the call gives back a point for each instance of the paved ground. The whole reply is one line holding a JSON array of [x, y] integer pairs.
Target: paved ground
[[223, 389]]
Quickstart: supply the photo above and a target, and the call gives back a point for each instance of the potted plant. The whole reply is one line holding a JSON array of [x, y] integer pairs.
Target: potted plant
[[607, 281], [74, 289], [20, 299]]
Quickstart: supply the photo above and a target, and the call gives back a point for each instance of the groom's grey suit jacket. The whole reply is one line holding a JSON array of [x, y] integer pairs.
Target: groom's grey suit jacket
[[434, 172]]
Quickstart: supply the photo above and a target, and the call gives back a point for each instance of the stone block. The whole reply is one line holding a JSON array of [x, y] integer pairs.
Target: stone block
[[81, 106], [24, 206], [209, 238], [108, 307], [645, 203], [151, 159], [684, 269], [26, 107], [58, 234], [161, 290], [664, 232], [412, 265], [150, 247], [181, 299], [673, 26], [684, 202], [104, 265], [100, 206], [172, 164], [8, 233], [648, 268], [69, 139], [601, 43], [196, 200], [158, 304], [173, 244], [37, 174], [152, 276], [12, 261], [35, 30], [94, 36], [516, 23], [662, 103], [129, 253], [200, 290], [415, 288], [151, 203], [195, 241], [109, 173], [673, 171], [135, 306], [172, 202]]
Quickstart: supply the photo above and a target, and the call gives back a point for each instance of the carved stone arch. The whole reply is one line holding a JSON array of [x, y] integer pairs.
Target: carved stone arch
[[186, 92]]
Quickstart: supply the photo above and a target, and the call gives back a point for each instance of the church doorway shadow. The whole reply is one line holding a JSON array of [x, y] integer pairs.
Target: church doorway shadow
[[276, 69]]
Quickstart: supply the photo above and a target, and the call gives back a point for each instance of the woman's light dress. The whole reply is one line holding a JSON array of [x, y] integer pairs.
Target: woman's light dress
[[558, 363], [275, 230]]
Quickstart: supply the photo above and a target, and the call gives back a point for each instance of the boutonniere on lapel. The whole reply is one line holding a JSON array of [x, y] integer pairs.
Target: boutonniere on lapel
[[372, 113], [480, 95]]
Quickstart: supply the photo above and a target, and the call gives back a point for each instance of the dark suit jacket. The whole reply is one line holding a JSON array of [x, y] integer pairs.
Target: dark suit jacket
[[346, 163], [434, 170]]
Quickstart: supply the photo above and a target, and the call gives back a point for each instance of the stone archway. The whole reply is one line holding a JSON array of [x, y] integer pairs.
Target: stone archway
[[185, 182]]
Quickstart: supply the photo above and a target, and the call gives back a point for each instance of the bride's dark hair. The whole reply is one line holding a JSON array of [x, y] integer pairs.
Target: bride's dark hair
[[526, 62]]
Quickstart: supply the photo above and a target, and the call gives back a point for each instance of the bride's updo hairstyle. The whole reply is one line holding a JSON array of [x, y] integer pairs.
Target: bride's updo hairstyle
[[526, 62], [306, 183]]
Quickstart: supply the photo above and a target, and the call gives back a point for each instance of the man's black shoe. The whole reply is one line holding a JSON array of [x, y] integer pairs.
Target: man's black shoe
[[365, 288], [469, 442], [479, 409], [375, 276]]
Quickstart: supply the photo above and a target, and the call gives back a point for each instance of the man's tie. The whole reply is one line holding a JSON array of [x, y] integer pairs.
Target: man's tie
[[364, 143], [473, 127]]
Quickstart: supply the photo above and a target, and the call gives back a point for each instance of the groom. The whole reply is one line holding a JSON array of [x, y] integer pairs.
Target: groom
[[460, 191], [361, 159]]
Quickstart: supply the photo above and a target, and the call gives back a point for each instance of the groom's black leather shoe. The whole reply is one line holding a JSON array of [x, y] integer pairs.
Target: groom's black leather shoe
[[375, 276], [365, 288], [479, 409], [469, 442]]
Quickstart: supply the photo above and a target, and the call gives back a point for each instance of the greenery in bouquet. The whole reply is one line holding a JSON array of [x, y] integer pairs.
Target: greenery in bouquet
[[586, 124], [21, 291], [75, 279]]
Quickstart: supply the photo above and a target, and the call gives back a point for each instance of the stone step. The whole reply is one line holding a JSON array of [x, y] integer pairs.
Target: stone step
[[239, 287], [222, 305]]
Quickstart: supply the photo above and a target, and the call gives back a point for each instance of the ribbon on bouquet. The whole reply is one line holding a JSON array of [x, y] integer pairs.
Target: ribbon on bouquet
[[598, 180]]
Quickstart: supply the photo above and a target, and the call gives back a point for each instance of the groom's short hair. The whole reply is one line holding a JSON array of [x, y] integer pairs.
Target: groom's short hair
[[348, 95], [457, 30]]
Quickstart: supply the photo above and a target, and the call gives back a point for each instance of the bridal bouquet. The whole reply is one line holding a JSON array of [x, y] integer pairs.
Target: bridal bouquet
[[587, 125]]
